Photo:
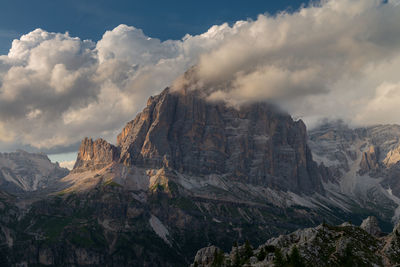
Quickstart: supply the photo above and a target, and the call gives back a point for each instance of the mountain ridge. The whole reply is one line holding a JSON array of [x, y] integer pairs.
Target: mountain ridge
[[187, 172], [27, 172], [177, 129]]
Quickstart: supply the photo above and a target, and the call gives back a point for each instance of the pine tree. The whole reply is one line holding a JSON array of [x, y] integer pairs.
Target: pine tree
[[248, 250], [347, 259], [236, 259], [295, 259], [261, 255], [218, 258], [279, 260]]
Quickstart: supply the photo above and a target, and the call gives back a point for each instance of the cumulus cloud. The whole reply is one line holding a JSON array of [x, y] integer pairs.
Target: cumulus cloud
[[55, 89], [335, 59], [326, 60]]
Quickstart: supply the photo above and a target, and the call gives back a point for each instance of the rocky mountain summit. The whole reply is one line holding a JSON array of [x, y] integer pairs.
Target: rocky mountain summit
[[324, 245], [256, 144], [22, 171], [95, 155]]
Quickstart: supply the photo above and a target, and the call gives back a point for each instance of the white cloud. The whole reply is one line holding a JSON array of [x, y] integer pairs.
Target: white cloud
[[326, 60], [67, 164], [332, 59], [55, 89]]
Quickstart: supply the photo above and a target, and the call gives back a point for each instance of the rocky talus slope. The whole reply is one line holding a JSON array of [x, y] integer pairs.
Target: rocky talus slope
[[324, 245]]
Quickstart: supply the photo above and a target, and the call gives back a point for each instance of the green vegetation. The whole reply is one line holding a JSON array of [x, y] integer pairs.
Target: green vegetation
[[248, 252], [111, 183], [218, 258], [293, 260], [261, 255], [52, 227], [279, 260]]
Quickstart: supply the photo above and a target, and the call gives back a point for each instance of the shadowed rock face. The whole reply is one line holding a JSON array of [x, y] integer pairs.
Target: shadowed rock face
[[370, 225], [180, 130], [369, 161]]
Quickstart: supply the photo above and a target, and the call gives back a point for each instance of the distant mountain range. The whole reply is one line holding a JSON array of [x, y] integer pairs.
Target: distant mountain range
[[26, 172], [186, 173]]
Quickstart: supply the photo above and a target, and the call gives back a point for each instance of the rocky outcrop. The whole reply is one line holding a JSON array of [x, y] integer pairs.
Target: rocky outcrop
[[206, 256], [370, 160], [370, 225], [255, 144], [392, 157], [324, 245], [342, 148], [94, 155], [24, 172], [363, 163]]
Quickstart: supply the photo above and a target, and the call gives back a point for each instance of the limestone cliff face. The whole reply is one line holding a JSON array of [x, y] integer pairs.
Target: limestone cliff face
[[352, 154], [94, 155], [254, 144], [370, 160]]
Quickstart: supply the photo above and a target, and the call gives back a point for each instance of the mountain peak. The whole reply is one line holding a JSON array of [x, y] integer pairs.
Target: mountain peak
[[95, 154], [254, 143], [23, 171]]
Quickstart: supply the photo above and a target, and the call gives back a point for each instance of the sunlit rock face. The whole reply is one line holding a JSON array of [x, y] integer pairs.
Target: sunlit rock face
[[255, 143], [95, 155]]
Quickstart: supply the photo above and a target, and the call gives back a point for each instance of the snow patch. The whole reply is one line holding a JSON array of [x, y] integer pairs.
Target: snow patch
[[396, 216], [301, 201], [159, 228]]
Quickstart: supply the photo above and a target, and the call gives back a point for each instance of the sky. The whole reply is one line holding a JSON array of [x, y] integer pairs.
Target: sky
[[76, 70], [89, 19]]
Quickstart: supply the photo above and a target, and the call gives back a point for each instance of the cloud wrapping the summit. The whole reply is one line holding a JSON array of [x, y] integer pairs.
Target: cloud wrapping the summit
[[318, 62], [335, 59]]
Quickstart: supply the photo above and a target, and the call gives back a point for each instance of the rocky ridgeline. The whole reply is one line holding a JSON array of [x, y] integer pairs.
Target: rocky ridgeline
[[95, 155], [364, 163], [324, 245], [22, 171], [255, 144]]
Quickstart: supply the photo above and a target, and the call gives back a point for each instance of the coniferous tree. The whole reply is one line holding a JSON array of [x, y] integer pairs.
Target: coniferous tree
[[262, 254], [279, 260], [248, 250], [347, 260], [218, 258], [294, 259], [236, 258]]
